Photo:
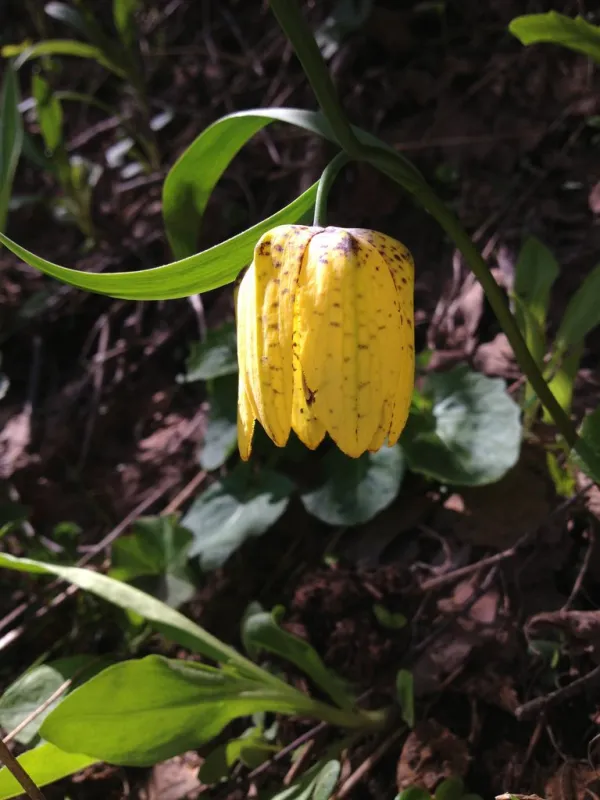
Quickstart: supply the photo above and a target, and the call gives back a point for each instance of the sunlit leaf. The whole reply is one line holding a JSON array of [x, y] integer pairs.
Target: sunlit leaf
[[576, 34], [58, 47], [178, 627], [189, 184], [140, 712], [210, 269], [35, 687], [44, 764], [260, 631]]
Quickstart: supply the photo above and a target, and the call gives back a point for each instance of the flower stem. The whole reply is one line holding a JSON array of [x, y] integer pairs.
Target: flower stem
[[326, 181], [303, 42]]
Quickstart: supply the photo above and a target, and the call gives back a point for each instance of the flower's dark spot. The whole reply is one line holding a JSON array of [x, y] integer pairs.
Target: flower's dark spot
[[363, 346], [336, 324], [404, 281], [348, 245], [264, 248]]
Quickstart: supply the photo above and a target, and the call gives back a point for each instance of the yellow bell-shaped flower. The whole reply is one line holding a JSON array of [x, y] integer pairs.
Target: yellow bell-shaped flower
[[326, 338]]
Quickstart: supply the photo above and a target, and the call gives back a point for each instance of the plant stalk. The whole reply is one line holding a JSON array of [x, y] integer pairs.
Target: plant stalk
[[300, 37], [295, 28]]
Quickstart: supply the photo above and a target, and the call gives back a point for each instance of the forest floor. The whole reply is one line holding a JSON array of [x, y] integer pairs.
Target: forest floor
[[95, 428]]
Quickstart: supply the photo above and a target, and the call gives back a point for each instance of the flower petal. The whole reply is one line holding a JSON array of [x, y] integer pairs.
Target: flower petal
[[245, 419], [401, 266], [339, 310], [273, 396]]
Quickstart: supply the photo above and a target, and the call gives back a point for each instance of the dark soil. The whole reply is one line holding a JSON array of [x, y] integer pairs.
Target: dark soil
[[502, 132]]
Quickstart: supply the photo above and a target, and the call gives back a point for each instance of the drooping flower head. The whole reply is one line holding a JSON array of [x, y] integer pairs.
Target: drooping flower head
[[325, 338]]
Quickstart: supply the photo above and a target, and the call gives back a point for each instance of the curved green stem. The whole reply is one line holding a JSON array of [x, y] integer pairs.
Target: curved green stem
[[298, 33], [326, 181], [295, 28]]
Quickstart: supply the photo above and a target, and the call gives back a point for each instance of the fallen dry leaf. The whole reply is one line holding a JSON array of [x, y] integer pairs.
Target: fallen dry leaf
[[430, 754], [573, 780], [175, 779]]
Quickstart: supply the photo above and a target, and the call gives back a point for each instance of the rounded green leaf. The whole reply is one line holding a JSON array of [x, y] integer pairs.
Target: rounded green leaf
[[241, 506], [354, 490], [472, 434]]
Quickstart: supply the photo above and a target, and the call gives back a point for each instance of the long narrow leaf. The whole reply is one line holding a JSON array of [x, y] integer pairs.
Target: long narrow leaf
[[59, 47], [11, 138], [210, 269], [180, 628], [192, 178]]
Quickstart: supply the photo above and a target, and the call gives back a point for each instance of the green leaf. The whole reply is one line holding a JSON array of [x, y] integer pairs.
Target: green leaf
[[305, 786], [178, 627], [241, 506], [196, 173], [250, 749], [220, 433], [58, 47], [189, 184], [44, 764], [414, 793], [11, 138], [49, 112], [140, 712], [450, 789], [155, 557], [576, 34], [582, 314], [393, 620], [472, 435], [535, 272], [588, 459], [326, 780], [36, 686], [214, 357], [210, 269], [260, 631], [124, 19], [354, 490], [562, 382], [405, 695]]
